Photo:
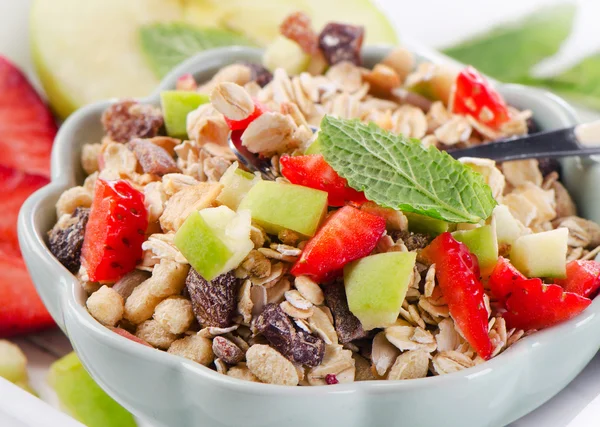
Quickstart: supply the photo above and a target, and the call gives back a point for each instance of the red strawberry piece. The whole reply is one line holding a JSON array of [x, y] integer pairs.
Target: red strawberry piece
[[457, 272], [473, 95], [27, 128], [583, 278], [130, 336], [347, 235], [115, 231], [503, 278], [534, 305], [15, 187], [259, 109], [314, 172], [21, 309]]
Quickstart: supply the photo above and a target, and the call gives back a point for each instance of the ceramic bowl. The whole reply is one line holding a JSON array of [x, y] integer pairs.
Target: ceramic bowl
[[171, 391]]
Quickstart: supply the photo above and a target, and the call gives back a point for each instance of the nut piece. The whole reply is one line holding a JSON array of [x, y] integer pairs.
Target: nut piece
[[66, 238], [271, 367], [194, 347], [232, 101], [340, 42], [106, 305], [227, 350], [347, 325], [152, 158], [295, 344], [130, 281], [214, 302], [128, 119], [174, 314], [154, 334]]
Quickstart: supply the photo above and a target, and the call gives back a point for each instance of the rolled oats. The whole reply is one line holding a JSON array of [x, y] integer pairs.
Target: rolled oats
[[410, 365], [336, 361], [276, 293], [322, 325], [271, 133], [296, 312], [187, 200], [446, 362], [309, 290], [232, 101], [383, 354]]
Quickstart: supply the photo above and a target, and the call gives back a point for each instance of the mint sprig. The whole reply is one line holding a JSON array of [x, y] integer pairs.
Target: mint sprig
[[400, 173], [166, 45]]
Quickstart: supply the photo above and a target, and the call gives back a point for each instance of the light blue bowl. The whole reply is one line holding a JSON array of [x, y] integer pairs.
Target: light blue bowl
[[171, 391]]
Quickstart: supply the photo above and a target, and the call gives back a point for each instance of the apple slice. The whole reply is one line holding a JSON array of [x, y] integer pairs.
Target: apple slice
[[426, 225], [176, 104], [13, 363], [286, 54], [236, 184], [542, 254], [376, 286], [482, 243]]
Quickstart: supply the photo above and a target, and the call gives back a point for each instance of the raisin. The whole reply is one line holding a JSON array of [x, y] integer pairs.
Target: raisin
[[412, 241], [129, 119], [532, 126], [153, 159], [297, 27], [227, 350], [259, 74], [347, 325], [547, 166], [66, 239], [294, 343], [340, 42], [213, 302]]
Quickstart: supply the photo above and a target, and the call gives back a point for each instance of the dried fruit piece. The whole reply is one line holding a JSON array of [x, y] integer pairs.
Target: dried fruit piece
[[297, 27], [129, 119], [213, 302], [259, 74], [152, 158], [340, 42], [66, 239], [227, 350], [295, 344], [347, 325]]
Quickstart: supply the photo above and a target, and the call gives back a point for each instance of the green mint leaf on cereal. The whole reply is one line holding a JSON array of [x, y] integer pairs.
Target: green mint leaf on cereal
[[166, 45], [400, 173]]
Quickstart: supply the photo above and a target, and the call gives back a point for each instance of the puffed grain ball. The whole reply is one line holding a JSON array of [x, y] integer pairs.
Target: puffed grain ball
[[89, 157], [106, 305], [154, 334], [270, 366], [140, 305], [241, 372], [194, 347], [174, 314], [73, 198], [168, 278]]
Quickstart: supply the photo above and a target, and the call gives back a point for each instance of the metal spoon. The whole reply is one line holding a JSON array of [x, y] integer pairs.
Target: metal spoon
[[252, 161]]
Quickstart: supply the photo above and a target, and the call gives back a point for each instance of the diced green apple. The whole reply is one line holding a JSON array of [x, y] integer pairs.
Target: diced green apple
[[426, 225], [13, 363], [286, 54], [483, 244], [433, 81], [83, 398], [541, 254], [508, 228], [215, 240], [236, 184], [176, 104], [314, 147], [276, 206], [376, 287]]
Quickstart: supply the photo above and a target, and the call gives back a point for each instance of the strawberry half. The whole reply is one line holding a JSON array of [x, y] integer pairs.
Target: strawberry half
[[27, 128]]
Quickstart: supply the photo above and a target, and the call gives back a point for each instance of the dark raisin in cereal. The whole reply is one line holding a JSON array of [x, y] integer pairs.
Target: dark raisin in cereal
[[227, 350], [66, 239], [129, 119], [340, 42], [260, 74], [152, 158], [347, 325], [547, 166], [213, 302]]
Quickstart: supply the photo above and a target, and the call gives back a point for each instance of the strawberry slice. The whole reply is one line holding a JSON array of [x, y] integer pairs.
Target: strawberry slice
[[27, 128], [457, 272], [347, 235], [503, 278], [15, 187], [21, 309], [534, 305], [314, 172], [259, 109], [583, 278]]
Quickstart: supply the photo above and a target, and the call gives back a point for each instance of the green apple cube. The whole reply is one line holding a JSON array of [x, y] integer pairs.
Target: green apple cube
[[236, 184], [426, 225], [215, 240], [483, 244], [13, 363], [176, 104], [541, 254], [276, 206], [507, 226], [314, 147], [376, 286], [433, 81], [79, 394], [286, 54]]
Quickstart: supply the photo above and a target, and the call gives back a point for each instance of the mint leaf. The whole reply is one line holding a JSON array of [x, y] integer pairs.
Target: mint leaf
[[507, 53], [166, 45], [399, 173]]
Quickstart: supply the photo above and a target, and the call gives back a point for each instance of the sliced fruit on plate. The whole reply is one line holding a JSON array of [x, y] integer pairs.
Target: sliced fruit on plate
[[503, 278], [15, 187], [27, 128], [21, 309]]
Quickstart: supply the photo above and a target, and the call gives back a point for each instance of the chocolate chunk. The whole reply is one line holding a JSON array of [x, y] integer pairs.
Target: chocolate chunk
[[340, 42], [213, 302], [227, 350], [66, 239], [152, 158], [295, 344], [260, 74], [412, 241], [129, 119], [347, 325]]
